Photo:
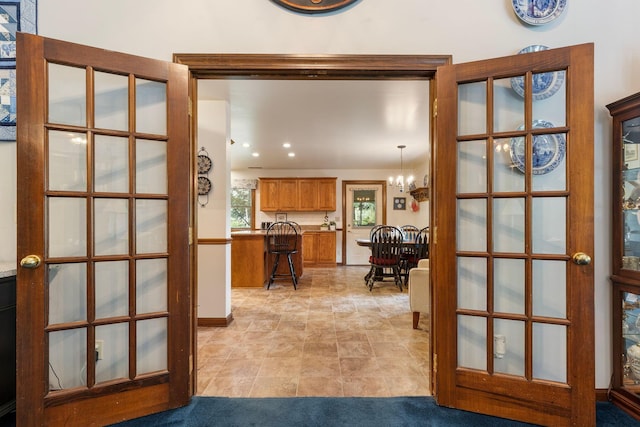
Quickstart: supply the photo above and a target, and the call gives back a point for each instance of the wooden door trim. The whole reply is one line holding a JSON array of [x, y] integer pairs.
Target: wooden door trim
[[290, 66]]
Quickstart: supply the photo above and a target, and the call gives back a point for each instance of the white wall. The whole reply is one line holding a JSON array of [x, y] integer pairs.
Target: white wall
[[214, 221], [467, 29]]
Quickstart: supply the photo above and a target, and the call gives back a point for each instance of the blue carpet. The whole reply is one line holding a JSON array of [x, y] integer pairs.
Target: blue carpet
[[353, 412]]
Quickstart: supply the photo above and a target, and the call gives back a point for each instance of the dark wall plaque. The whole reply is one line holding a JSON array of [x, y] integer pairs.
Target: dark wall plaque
[[314, 6]]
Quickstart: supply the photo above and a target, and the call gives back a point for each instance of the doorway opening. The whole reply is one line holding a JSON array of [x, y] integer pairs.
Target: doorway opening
[[312, 67]]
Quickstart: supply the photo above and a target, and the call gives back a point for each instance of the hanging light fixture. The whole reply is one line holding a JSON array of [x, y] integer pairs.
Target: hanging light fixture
[[400, 182]]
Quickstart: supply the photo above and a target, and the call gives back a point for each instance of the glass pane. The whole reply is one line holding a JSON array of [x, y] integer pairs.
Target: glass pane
[[364, 208], [151, 166], [472, 342], [506, 176], [112, 288], [67, 226], [114, 362], [550, 97], [111, 226], [67, 95], [508, 285], [508, 107], [67, 352], [67, 161], [472, 108], [631, 197], [112, 102], [508, 225], [508, 347], [631, 338], [550, 352], [151, 107], [550, 288], [549, 153], [549, 225], [241, 208], [151, 348], [472, 283], [472, 225], [151, 226], [151, 285], [111, 164], [472, 167], [67, 293]]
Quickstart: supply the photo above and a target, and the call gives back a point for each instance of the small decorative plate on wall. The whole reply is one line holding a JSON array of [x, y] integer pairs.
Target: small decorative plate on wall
[[538, 12], [544, 85], [548, 150]]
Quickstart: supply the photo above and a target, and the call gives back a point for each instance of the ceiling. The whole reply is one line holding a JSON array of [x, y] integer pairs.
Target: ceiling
[[330, 124]]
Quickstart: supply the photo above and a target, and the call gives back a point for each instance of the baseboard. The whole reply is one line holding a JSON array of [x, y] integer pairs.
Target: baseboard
[[602, 395], [215, 321]]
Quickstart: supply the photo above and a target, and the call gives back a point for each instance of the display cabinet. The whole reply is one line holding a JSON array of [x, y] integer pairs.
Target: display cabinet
[[625, 278]]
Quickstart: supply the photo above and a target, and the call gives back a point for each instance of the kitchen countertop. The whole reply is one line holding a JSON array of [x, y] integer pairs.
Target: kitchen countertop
[[7, 269]]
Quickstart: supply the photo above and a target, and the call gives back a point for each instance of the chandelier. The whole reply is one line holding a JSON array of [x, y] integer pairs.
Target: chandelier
[[400, 181]]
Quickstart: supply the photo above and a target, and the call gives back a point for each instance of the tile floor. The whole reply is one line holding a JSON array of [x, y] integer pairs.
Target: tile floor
[[331, 337]]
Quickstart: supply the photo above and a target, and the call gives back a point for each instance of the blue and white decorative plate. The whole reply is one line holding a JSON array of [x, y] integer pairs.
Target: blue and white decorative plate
[[548, 150], [538, 12], [544, 85]]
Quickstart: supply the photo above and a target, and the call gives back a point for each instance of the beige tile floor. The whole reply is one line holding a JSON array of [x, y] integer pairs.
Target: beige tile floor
[[331, 337]]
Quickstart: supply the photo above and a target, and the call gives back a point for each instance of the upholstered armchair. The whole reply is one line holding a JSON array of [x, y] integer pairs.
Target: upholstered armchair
[[419, 291]]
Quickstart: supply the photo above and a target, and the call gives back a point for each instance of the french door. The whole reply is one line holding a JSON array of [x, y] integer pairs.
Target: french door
[[513, 237], [103, 305]]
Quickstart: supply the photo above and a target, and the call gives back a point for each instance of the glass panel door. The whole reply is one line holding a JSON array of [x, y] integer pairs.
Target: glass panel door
[[112, 264], [512, 182]]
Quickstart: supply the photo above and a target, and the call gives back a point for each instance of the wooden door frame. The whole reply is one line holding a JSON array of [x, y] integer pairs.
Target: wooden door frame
[[383, 183], [304, 67]]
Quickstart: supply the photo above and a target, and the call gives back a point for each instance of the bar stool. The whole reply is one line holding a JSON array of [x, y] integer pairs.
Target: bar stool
[[282, 239]]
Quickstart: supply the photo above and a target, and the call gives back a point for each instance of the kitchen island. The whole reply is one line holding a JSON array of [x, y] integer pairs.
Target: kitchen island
[[251, 264]]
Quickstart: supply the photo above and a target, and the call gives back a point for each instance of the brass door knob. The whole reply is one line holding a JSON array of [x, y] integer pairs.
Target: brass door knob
[[580, 258], [30, 261]]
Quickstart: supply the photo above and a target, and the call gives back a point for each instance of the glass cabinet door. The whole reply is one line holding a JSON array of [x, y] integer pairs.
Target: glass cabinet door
[[631, 194], [625, 253]]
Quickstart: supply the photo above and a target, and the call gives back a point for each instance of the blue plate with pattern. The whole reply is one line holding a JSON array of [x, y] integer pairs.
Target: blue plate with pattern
[[544, 85], [548, 150], [538, 12]]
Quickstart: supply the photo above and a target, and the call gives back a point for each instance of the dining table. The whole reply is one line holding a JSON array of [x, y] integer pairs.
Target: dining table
[[408, 243]]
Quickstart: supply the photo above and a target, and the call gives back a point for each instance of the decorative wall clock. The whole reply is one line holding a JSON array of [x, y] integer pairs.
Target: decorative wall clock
[[314, 6], [205, 165]]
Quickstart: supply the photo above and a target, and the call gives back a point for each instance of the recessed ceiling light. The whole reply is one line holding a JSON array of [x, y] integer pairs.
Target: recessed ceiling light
[[255, 154], [286, 145], [246, 145], [292, 154]]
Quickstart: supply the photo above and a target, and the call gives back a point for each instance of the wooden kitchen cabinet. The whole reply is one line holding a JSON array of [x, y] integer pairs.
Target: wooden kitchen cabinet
[[269, 192], [327, 194], [288, 195], [319, 248], [278, 194], [308, 194], [297, 194]]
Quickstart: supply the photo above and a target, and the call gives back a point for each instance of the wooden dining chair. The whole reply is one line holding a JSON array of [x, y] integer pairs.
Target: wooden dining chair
[[386, 249], [414, 253]]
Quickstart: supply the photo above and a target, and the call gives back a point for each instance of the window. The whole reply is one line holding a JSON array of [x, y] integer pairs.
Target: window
[[242, 201], [364, 208]]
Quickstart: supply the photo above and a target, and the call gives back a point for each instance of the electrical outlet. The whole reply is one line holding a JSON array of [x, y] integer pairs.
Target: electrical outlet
[[99, 349]]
